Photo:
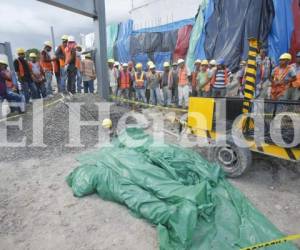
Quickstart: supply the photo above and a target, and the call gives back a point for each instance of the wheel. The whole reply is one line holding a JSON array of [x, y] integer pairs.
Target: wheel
[[234, 160]]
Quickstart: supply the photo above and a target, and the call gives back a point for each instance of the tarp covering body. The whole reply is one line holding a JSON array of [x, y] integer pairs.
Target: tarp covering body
[[232, 24], [123, 41], [282, 29], [188, 199], [112, 35], [182, 44], [295, 42]]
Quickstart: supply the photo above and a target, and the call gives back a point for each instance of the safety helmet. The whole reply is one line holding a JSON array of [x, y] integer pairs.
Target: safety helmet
[[175, 64], [167, 65], [71, 39], [107, 123], [125, 65], [221, 61], [204, 62], [152, 66], [3, 62], [286, 56], [243, 63], [111, 61], [48, 44], [149, 63], [20, 51], [32, 55], [180, 61], [213, 62], [65, 37], [117, 64], [88, 55], [198, 61], [139, 66]]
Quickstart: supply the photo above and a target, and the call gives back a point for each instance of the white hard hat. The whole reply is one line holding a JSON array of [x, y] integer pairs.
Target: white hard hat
[[152, 66], [180, 61], [71, 39], [4, 62], [117, 64], [125, 65], [213, 62], [48, 43]]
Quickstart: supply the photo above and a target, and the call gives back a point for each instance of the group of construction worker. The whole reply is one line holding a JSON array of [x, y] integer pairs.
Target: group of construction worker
[[35, 76]]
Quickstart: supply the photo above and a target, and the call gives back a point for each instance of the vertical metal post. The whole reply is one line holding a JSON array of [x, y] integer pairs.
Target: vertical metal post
[[53, 38], [101, 49]]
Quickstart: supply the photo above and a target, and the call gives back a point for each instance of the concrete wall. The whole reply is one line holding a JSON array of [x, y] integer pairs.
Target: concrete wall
[[149, 13]]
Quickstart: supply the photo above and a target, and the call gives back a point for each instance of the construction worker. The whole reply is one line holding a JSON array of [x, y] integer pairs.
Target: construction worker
[[220, 79], [132, 73], [175, 83], [149, 63], [241, 75], [88, 74], [28, 88], [212, 67], [203, 83], [282, 78], [78, 67], [70, 65], [183, 84], [38, 75], [167, 84], [197, 68], [8, 93], [113, 77], [154, 82], [140, 83], [124, 82], [46, 62], [296, 84], [61, 56]]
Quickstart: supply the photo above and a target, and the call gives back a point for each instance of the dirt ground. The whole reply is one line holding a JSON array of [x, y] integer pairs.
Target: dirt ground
[[38, 210]]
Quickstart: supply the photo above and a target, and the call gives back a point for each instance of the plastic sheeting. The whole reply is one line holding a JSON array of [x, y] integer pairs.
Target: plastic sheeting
[[141, 58], [188, 199], [169, 40], [160, 58], [232, 24], [123, 42], [183, 41], [295, 42], [196, 35], [282, 29], [112, 35]]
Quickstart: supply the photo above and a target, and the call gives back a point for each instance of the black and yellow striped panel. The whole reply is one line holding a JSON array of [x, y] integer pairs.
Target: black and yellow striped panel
[[249, 89]]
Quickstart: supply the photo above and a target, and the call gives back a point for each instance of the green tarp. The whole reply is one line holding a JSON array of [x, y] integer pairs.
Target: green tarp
[[188, 199], [111, 34]]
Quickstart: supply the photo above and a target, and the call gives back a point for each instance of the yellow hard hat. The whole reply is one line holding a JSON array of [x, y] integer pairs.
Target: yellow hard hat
[[198, 61], [139, 66], [167, 65], [204, 62], [107, 123], [48, 43], [110, 60], [32, 55], [286, 56], [3, 62], [65, 37], [20, 51]]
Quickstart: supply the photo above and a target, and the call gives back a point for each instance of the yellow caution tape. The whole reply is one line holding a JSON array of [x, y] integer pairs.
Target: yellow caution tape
[[273, 242]]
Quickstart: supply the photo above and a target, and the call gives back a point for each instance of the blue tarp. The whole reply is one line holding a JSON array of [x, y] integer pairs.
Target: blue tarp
[[123, 41], [141, 58], [282, 29], [160, 58]]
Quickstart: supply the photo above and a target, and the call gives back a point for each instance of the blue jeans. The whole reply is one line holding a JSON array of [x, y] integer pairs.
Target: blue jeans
[[29, 90], [63, 79], [167, 96], [41, 89], [155, 96], [79, 81], [48, 84], [141, 95], [88, 86], [16, 98]]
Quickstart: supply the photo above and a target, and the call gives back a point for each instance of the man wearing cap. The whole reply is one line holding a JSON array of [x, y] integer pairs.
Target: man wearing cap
[[46, 62], [8, 93], [70, 65], [296, 84], [78, 67], [167, 84], [37, 75], [154, 81], [148, 94], [113, 77], [175, 83], [88, 74], [140, 83], [183, 84], [61, 56], [197, 67], [220, 79], [202, 80], [28, 88], [124, 82], [282, 78]]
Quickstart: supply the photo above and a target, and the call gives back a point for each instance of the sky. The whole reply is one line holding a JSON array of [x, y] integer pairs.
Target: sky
[[26, 23]]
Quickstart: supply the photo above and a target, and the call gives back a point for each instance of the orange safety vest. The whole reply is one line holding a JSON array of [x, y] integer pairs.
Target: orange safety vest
[[194, 79], [124, 80], [279, 87], [78, 63], [46, 65], [21, 72], [139, 81], [183, 77], [296, 84], [62, 60], [226, 78]]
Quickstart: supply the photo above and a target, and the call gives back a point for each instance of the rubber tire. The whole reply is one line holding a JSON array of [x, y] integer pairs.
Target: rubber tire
[[244, 158]]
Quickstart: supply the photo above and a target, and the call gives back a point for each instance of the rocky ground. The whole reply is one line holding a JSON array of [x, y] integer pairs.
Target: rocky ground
[[38, 210]]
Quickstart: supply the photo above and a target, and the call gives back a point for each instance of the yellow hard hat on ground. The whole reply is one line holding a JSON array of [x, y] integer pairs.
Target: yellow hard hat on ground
[[3, 62], [204, 62], [167, 65], [20, 51], [139, 66], [107, 123], [32, 55], [286, 56], [48, 43]]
